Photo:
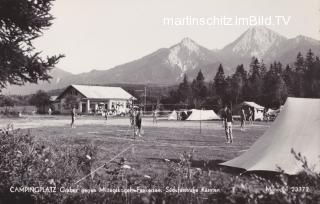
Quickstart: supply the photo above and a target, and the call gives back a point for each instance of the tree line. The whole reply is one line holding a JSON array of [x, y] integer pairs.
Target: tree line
[[266, 86]]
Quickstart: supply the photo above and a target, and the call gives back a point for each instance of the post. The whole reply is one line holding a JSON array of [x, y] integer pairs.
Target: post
[[145, 99], [80, 107], [200, 120], [88, 106]]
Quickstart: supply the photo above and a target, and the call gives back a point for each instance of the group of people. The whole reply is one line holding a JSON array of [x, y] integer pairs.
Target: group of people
[[135, 119], [135, 115], [228, 120], [243, 117]]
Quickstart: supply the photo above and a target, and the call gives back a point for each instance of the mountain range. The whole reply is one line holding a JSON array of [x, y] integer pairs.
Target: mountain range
[[168, 65]]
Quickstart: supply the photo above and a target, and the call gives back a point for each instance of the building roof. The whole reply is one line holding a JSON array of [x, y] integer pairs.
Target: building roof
[[253, 104], [102, 92]]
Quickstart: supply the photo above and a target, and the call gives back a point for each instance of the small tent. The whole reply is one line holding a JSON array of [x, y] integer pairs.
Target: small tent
[[273, 112], [173, 115], [296, 128], [258, 110], [203, 115]]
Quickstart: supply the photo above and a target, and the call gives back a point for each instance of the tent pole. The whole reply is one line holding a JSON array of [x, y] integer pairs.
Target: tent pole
[[145, 99]]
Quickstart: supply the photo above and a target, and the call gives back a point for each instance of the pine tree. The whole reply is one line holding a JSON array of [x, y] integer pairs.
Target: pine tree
[[288, 77], [274, 87], [255, 81], [199, 90], [309, 60], [255, 68], [229, 92], [22, 21], [278, 68], [220, 82], [315, 83], [312, 75], [263, 70], [185, 90], [238, 81], [299, 64]]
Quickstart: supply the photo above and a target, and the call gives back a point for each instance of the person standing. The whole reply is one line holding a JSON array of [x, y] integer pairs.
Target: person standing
[[132, 117], [106, 113], [138, 119], [265, 114], [223, 116], [49, 111], [154, 115], [242, 119], [73, 115], [228, 124], [250, 116]]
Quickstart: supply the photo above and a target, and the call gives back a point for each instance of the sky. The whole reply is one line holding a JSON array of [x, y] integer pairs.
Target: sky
[[100, 34]]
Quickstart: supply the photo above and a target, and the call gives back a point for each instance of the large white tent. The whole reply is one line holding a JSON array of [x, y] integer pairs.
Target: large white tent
[[297, 127], [173, 115], [203, 115]]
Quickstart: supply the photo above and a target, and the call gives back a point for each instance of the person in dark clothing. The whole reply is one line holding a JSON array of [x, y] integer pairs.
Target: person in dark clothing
[[73, 115], [106, 114], [251, 116], [138, 122], [154, 115], [227, 118], [242, 119], [266, 114], [132, 117]]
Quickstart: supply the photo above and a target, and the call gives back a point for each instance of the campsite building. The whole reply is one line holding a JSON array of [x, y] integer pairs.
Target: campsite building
[[94, 99]]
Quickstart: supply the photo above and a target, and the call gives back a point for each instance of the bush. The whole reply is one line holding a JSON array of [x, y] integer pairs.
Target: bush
[[24, 162]]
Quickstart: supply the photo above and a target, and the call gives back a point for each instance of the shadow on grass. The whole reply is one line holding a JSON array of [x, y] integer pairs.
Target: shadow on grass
[[214, 165], [184, 140]]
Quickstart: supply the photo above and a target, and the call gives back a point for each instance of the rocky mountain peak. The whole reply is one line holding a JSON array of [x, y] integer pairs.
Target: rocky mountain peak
[[256, 41]]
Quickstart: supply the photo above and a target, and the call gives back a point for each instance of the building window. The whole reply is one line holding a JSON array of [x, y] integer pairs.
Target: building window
[[73, 92]]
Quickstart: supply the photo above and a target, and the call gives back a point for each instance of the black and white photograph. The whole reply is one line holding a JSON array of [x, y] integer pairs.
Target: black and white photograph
[[159, 102]]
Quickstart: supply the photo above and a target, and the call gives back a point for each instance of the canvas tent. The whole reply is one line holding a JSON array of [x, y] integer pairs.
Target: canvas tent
[[258, 110], [297, 127], [173, 115], [203, 115], [273, 112]]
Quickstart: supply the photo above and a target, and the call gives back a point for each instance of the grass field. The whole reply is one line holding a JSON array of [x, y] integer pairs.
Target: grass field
[[103, 154], [164, 140]]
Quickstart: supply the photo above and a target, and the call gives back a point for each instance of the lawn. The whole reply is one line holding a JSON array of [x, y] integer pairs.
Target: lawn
[[103, 154], [164, 140]]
